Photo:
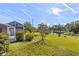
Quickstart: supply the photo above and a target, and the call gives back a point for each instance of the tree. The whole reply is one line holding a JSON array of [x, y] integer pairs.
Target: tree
[[73, 27], [57, 29], [28, 27], [43, 29]]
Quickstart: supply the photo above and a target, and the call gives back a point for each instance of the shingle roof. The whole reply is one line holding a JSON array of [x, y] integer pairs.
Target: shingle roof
[[16, 24]]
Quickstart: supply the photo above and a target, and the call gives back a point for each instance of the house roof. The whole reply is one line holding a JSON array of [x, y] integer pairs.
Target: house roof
[[16, 24], [5, 25], [1, 25]]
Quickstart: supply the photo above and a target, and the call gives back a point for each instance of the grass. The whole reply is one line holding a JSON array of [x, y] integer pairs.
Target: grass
[[52, 46]]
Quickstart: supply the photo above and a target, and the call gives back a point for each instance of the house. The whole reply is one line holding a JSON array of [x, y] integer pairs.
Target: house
[[17, 25], [10, 30]]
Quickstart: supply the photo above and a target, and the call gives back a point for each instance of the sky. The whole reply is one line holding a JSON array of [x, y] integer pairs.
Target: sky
[[48, 13]]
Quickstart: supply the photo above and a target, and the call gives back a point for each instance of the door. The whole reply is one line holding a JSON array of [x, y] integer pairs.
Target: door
[[12, 33]]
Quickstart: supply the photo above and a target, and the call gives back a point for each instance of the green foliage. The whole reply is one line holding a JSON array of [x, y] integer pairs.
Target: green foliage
[[28, 37], [73, 27], [52, 46], [59, 29], [36, 34], [19, 36], [5, 36], [43, 29], [4, 42], [1, 49], [28, 27]]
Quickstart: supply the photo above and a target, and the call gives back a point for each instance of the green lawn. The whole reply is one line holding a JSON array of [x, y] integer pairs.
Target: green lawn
[[52, 46]]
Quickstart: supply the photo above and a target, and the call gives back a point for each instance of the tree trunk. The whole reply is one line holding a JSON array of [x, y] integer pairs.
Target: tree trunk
[[42, 35]]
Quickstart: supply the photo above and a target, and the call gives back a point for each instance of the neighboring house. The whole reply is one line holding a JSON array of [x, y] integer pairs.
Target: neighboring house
[[17, 25], [10, 30]]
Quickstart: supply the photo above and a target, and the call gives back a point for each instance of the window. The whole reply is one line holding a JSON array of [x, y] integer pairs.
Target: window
[[12, 33], [0, 30]]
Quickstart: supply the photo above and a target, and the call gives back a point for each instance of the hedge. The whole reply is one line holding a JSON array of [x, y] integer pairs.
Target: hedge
[[28, 37], [4, 42], [19, 36]]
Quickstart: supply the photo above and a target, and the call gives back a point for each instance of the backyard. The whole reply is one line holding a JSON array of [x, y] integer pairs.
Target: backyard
[[39, 29], [51, 46]]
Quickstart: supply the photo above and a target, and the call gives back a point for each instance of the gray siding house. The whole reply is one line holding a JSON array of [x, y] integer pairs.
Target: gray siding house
[[11, 28], [17, 25]]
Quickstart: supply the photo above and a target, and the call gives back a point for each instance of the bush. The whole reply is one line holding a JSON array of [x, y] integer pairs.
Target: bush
[[1, 49], [37, 34], [4, 42], [19, 36], [69, 33], [5, 36], [28, 37]]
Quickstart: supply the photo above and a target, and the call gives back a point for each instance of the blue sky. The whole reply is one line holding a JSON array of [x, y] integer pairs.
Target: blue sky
[[48, 13]]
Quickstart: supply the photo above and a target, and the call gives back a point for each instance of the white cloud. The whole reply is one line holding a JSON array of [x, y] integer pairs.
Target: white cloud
[[56, 11]]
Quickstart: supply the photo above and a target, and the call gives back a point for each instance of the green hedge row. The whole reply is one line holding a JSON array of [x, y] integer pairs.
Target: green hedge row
[[28, 37], [20, 36]]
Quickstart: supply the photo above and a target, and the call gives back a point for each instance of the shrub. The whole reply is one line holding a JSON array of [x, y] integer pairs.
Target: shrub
[[37, 34], [28, 37], [1, 40], [1, 49], [19, 36], [69, 33], [4, 42], [5, 36]]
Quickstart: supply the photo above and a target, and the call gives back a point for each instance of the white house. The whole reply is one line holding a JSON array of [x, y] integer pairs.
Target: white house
[[19, 27], [11, 30]]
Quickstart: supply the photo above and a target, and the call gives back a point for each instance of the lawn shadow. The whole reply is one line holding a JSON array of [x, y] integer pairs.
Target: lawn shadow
[[57, 51], [40, 42], [72, 53]]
